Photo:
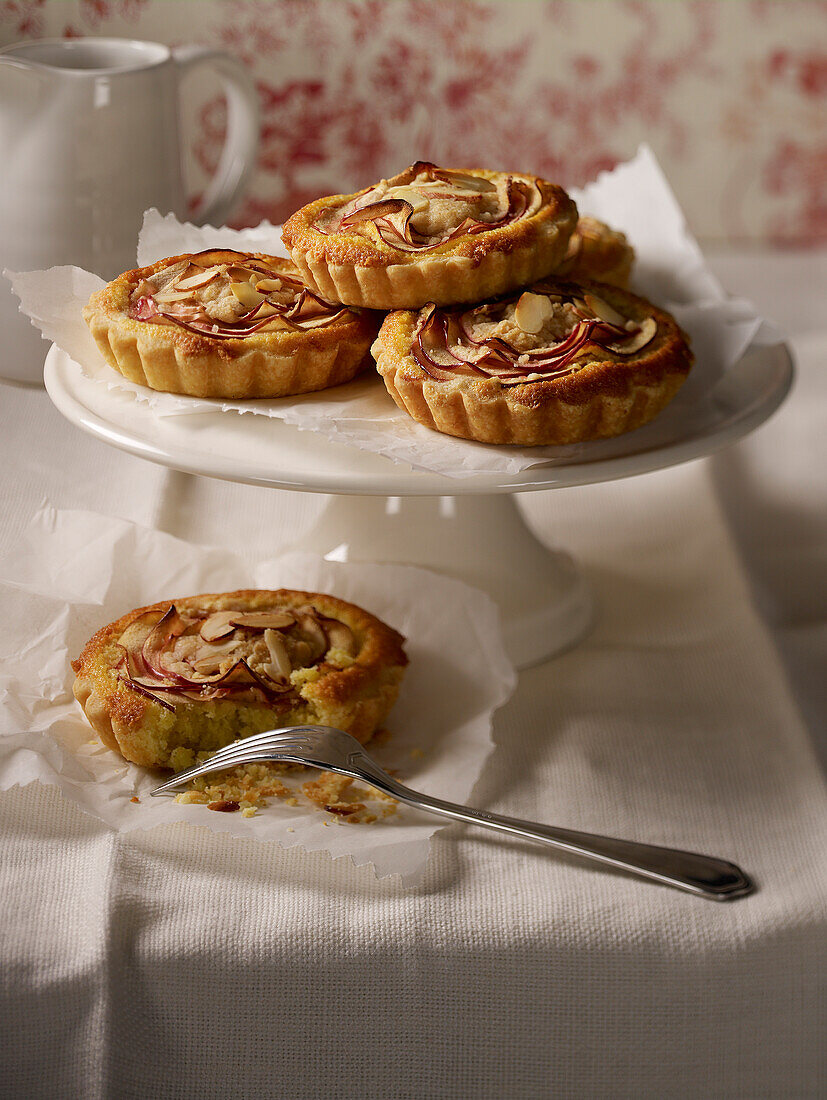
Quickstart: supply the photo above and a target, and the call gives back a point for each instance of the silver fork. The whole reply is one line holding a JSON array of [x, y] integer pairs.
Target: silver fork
[[336, 751]]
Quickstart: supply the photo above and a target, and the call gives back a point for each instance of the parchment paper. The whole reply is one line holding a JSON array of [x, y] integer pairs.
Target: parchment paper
[[669, 270], [77, 571]]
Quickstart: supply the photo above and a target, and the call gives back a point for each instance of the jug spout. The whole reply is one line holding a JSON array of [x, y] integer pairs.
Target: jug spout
[[16, 71]]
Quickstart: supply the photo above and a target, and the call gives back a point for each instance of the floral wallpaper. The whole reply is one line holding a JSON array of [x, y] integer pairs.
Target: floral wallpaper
[[731, 94]]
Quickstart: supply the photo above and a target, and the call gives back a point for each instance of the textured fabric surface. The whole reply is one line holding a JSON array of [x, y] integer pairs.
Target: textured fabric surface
[[178, 963]]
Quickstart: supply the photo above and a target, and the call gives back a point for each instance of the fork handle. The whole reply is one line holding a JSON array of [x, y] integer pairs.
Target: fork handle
[[706, 876]]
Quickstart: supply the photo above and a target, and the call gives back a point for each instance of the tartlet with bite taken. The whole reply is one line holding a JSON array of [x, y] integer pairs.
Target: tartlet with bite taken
[[166, 682], [431, 234], [557, 363], [227, 324]]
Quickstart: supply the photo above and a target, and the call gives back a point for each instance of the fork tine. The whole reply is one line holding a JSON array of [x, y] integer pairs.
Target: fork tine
[[291, 743], [265, 735], [211, 765], [235, 754], [260, 747], [270, 738], [275, 737]]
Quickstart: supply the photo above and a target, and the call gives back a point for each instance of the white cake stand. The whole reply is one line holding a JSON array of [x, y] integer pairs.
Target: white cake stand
[[470, 529]]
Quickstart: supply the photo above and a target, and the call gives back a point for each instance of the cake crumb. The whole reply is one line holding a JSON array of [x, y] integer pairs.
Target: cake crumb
[[192, 797], [248, 787]]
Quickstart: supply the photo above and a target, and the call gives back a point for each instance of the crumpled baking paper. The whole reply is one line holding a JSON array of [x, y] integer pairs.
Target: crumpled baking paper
[[74, 572], [669, 269]]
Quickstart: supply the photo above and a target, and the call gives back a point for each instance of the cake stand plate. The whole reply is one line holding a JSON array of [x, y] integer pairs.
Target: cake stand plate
[[469, 528]]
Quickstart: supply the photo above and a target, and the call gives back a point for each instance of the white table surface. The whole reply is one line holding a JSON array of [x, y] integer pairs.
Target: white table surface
[[178, 963]]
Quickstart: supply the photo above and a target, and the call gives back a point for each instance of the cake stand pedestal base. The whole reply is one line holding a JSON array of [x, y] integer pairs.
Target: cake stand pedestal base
[[545, 604], [477, 536]]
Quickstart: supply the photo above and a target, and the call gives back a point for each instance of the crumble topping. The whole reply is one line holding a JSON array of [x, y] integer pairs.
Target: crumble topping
[[517, 322], [232, 653], [439, 206], [433, 205], [545, 332]]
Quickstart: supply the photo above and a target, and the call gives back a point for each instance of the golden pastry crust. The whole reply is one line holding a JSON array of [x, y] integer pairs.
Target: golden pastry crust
[[595, 251], [509, 392], [350, 679], [171, 346], [383, 263]]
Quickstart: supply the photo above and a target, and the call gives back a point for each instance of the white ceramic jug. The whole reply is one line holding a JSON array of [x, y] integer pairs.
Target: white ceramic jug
[[89, 139]]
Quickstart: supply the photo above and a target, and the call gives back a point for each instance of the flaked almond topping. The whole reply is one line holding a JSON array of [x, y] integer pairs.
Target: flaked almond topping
[[225, 653], [262, 620], [280, 666], [206, 667], [442, 338], [532, 311], [185, 645], [340, 636], [164, 296], [314, 634], [245, 293], [161, 279], [210, 651], [200, 279], [217, 625], [268, 286], [173, 296], [604, 311], [304, 655], [201, 671], [400, 217], [648, 328]]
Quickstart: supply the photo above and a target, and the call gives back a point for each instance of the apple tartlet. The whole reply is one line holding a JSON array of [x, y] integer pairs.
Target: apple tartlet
[[431, 234], [166, 682], [595, 251], [557, 363], [227, 324]]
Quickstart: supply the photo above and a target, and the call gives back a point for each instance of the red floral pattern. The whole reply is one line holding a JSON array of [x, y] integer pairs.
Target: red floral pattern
[[731, 96], [21, 19]]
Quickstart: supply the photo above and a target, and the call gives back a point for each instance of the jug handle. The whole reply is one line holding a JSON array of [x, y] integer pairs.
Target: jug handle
[[238, 157]]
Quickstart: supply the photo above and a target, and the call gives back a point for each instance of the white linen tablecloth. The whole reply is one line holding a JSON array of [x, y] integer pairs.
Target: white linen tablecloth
[[179, 963]]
